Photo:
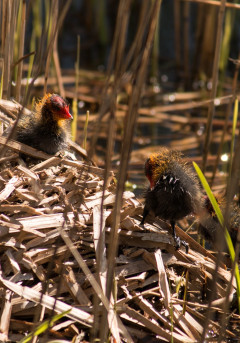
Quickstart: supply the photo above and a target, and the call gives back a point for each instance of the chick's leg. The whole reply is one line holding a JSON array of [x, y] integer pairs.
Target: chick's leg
[[177, 239], [145, 213]]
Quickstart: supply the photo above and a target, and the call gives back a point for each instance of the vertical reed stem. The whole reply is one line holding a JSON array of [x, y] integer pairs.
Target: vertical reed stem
[[21, 51], [211, 108]]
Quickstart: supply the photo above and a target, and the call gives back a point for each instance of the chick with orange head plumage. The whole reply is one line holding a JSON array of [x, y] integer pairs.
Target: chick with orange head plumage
[[174, 190], [47, 127]]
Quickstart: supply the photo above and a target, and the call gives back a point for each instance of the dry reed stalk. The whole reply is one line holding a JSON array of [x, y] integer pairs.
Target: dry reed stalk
[[139, 75], [116, 58], [177, 32], [229, 291], [31, 240], [21, 51], [10, 23], [58, 68], [51, 28], [186, 19], [91, 278], [201, 27], [211, 109], [226, 123], [215, 3], [39, 59]]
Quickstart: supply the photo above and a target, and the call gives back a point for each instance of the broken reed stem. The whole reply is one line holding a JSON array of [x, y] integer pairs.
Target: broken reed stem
[[211, 108]]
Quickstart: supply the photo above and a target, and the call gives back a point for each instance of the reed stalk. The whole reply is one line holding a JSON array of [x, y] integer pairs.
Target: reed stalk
[[75, 99], [52, 36], [155, 51], [177, 32], [228, 113], [139, 75], [186, 30], [58, 69], [21, 50], [85, 131], [235, 119], [211, 108]]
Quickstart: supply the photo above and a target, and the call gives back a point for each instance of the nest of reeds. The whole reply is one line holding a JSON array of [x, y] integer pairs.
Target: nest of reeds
[[55, 227]]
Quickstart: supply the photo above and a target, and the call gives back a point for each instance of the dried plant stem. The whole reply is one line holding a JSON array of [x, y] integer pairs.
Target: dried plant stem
[[10, 14], [21, 51], [58, 69], [211, 108], [211, 111], [85, 131], [215, 3], [177, 32], [225, 315], [75, 98], [97, 288], [186, 19], [53, 36], [229, 111], [130, 122], [116, 56]]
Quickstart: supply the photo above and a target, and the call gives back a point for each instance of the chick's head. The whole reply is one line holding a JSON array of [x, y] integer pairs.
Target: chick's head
[[159, 163], [53, 106]]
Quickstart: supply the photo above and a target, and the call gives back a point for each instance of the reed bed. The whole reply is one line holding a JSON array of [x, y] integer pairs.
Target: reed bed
[[51, 214], [71, 243]]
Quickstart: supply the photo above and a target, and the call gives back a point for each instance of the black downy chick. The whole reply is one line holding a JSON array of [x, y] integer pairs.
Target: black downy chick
[[174, 190], [209, 226], [46, 128]]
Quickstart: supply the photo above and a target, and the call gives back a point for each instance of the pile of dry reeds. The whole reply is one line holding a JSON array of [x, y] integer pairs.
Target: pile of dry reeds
[[55, 227]]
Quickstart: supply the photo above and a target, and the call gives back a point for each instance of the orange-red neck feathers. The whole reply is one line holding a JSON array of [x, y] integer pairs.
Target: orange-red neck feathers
[[158, 163]]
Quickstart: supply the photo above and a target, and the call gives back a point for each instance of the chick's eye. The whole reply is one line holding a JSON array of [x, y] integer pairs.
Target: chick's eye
[[56, 106]]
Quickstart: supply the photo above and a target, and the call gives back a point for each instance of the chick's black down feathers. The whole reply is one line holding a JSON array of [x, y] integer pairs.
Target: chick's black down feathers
[[174, 190], [46, 128], [209, 226], [174, 196]]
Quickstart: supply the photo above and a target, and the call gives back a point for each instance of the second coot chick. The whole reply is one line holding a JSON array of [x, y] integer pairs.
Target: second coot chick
[[174, 190], [46, 128], [209, 226]]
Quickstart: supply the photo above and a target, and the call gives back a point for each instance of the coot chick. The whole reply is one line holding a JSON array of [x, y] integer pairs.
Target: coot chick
[[209, 226], [174, 190], [46, 128]]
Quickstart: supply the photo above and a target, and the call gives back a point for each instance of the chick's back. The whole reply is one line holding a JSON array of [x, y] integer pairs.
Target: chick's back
[[176, 192], [43, 136]]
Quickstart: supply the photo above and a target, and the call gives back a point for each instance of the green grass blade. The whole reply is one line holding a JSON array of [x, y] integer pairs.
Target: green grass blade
[[43, 327], [221, 221]]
